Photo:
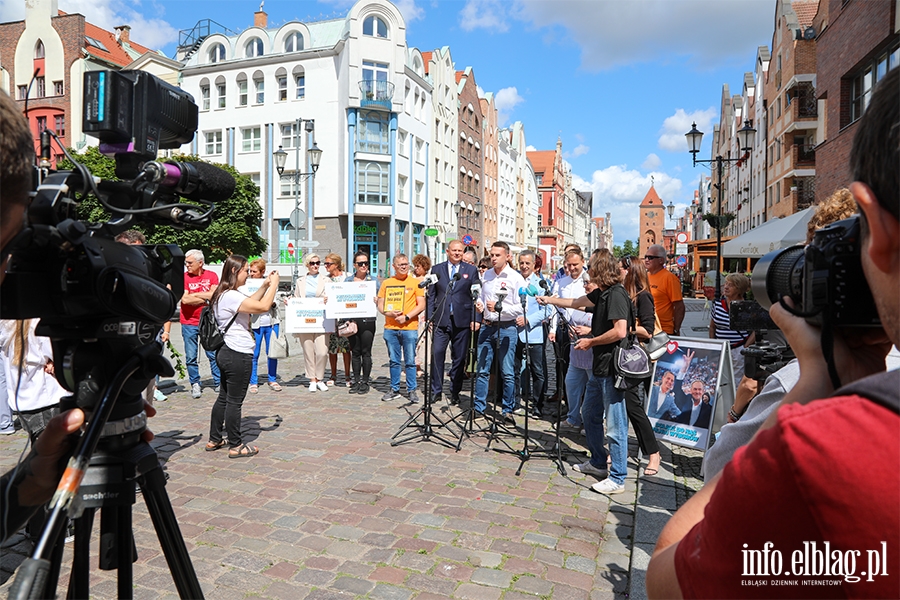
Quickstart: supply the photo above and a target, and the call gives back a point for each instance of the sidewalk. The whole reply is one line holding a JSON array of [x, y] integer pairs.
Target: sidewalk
[[329, 509]]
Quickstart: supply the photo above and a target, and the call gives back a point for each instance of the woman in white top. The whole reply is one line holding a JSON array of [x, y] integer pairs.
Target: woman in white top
[[232, 309], [263, 325], [33, 392], [315, 345]]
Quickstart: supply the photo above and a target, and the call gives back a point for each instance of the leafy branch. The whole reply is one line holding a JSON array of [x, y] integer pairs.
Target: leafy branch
[[176, 357]]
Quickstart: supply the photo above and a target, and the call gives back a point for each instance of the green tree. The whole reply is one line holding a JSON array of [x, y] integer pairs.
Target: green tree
[[627, 249], [235, 224]]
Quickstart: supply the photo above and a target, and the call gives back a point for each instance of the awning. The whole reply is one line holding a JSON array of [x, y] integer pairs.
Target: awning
[[770, 236]]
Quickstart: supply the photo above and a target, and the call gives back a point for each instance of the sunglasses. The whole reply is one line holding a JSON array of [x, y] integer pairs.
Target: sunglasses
[[651, 257], [362, 264], [626, 262], [328, 264], [314, 263]]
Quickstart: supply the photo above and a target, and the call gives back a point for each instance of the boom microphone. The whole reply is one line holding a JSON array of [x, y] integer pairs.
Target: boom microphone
[[194, 181], [498, 305], [546, 286], [431, 279], [475, 290]]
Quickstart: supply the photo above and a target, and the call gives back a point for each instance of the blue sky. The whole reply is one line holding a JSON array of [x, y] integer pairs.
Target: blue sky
[[619, 81]]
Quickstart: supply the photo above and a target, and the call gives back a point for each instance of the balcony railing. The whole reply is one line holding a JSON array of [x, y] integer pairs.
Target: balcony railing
[[376, 93], [804, 154], [547, 231]]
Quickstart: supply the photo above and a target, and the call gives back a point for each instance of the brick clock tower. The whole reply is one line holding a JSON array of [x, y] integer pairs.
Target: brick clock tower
[[653, 220]]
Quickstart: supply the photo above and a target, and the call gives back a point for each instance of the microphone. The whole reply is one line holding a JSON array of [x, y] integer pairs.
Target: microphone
[[194, 181], [498, 305], [546, 286], [523, 296], [456, 277], [429, 280], [475, 290]]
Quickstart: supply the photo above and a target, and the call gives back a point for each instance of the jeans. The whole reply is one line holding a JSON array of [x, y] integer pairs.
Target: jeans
[[532, 394], [507, 337], [601, 395], [191, 335], [576, 383], [227, 408], [264, 333], [402, 341], [361, 349]]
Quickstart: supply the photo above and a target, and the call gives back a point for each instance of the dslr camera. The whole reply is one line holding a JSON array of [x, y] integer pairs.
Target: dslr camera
[[824, 279]]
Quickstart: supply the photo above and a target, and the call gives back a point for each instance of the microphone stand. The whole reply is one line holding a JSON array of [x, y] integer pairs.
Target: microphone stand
[[493, 430], [468, 426], [425, 428]]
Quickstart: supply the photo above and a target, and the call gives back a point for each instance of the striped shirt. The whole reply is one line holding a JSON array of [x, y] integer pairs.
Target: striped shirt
[[723, 326]]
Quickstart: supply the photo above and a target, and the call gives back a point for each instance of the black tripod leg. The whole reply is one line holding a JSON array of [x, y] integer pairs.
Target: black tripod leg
[[153, 487], [79, 581], [125, 540]]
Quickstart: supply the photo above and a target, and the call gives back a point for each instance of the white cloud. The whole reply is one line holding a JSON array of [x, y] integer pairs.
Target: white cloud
[[410, 10], [611, 34], [506, 100], [484, 14], [651, 162], [530, 148], [619, 191], [671, 136], [577, 151]]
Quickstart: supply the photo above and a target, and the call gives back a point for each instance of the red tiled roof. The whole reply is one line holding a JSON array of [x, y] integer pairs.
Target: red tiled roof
[[543, 162], [426, 58], [805, 10], [114, 52], [459, 75], [652, 198]]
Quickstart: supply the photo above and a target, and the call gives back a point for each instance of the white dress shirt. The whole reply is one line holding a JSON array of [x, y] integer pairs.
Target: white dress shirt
[[508, 280]]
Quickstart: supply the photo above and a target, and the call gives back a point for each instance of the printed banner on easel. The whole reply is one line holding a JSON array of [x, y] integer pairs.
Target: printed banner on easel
[[353, 300], [307, 315]]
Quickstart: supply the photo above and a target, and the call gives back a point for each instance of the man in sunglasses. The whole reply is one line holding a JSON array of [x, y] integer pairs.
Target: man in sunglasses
[[666, 290]]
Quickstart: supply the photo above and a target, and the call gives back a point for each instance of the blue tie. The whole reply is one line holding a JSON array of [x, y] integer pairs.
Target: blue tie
[[452, 275]]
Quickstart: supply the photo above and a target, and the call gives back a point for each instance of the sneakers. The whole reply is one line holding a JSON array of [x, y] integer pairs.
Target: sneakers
[[196, 392], [391, 395], [159, 396], [363, 388], [312, 386], [588, 469], [218, 388], [508, 419], [570, 427], [354, 386], [608, 487], [413, 397], [322, 387]]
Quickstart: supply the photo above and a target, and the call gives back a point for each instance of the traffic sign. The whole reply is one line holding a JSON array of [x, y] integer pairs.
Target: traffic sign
[[308, 244], [681, 249], [290, 248], [681, 261], [681, 238], [298, 219], [467, 240], [431, 232]]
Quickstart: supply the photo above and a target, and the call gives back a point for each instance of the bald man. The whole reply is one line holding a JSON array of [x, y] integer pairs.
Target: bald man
[[666, 290]]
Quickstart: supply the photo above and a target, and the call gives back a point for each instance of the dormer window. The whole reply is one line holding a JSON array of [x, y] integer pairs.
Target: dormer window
[[375, 27], [253, 48], [217, 53], [39, 49], [293, 42]]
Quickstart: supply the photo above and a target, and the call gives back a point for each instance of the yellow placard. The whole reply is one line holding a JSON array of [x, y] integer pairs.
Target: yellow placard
[[393, 298]]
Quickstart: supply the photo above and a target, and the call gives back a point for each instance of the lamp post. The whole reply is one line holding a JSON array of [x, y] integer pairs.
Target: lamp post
[[745, 139], [314, 157]]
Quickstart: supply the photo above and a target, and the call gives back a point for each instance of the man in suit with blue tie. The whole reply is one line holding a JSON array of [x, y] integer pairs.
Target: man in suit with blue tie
[[452, 318]]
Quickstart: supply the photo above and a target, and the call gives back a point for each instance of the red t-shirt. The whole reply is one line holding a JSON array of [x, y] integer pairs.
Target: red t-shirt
[[827, 472], [190, 313]]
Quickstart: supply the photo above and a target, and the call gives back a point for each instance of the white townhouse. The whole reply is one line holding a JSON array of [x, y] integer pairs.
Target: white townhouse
[[507, 182], [527, 197], [357, 92]]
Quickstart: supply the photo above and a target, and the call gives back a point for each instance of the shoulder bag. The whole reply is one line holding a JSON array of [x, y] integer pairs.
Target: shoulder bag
[[630, 361], [656, 345]]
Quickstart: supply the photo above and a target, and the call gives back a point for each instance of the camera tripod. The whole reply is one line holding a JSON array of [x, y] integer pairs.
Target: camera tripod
[[108, 459]]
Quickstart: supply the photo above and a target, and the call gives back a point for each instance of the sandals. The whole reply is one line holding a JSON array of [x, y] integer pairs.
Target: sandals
[[273, 385], [254, 389], [243, 451], [648, 472], [212, 446]]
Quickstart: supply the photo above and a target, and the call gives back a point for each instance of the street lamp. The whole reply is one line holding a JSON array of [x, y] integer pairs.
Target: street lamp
[[314, 156], [745, 139]]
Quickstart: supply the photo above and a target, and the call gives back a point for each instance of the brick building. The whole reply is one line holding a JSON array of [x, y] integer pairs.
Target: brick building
[[550, 175], [470, 207], [490, 168], [858, 42], [43, 60], [653, 221]]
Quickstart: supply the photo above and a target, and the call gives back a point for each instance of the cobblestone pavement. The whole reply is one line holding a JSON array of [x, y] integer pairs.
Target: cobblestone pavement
[[329, 509]]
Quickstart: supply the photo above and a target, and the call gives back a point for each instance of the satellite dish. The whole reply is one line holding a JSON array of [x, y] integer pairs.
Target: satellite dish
[[809, 34]]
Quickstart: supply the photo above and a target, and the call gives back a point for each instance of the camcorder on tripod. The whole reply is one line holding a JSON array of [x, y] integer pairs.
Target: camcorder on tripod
[[102, 304]]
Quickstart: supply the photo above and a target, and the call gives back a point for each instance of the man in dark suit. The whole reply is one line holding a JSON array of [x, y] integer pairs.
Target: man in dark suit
[[452, 318], [698, 413]]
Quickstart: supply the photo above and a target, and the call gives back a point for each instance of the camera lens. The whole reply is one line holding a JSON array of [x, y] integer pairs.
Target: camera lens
[[779, 274]]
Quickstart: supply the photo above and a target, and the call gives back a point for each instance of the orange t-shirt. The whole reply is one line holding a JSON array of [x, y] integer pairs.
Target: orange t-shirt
[[402, 293], [666, 289]]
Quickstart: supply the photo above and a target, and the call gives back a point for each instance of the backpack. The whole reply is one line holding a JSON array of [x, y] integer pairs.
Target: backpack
[[211, 336]]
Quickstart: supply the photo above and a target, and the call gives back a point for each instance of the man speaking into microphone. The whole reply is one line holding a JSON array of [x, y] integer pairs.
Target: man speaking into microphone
[[499, 301], [450, 309]]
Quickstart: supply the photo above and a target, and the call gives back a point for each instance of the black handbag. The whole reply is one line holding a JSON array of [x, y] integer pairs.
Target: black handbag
[[656, 346], [631, 362]]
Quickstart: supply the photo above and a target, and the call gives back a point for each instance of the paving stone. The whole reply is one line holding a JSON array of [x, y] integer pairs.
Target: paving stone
[[384, 591], [353, 585], [581, 564], [492, 577], [541, 540], [533, 585], [471, 591]]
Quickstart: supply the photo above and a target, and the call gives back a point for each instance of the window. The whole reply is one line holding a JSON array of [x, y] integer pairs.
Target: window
[[540, 220], [437, 131], [401, 189], [250, 139], [260, 87], [95, 43], [59, 122], [299, 83], [864, 81], [373, 74], [290, 186], [216, 53], [420, 194], [214, 142], [400, 240], [540, 178], [39, 49], [41, 87], [437, 170], [41, 123], [23, 92], [220, 92], [282, 88], [417, 238], [253, 48], [372, 182], [58, 88], [401, 142], [420, 144], [372, 133], [204, 97], [293, 42], [373, 26], [290, 136], [242, 90]]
